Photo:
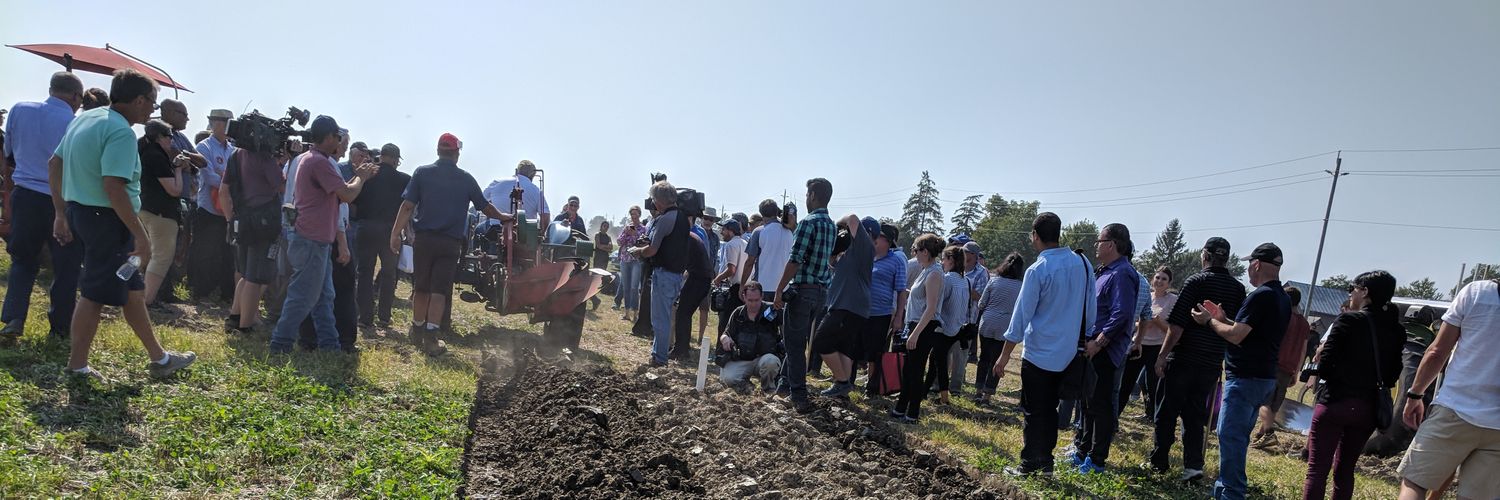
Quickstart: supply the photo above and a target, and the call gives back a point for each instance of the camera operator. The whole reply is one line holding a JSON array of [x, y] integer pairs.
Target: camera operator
[[671, 240], [208, 270], [320, 190], [251, 198], [160, 208]]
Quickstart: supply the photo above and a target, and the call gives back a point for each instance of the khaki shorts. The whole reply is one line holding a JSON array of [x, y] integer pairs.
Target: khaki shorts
[[1444, 443], [161, 233]]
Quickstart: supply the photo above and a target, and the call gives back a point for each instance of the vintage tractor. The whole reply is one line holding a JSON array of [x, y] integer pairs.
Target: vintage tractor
[[531, 266]]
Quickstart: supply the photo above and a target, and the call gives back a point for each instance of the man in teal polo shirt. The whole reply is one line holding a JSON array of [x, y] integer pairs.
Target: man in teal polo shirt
[[95, 179]]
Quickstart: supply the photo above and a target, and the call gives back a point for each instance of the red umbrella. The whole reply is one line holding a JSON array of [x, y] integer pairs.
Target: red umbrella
[[98, 60]]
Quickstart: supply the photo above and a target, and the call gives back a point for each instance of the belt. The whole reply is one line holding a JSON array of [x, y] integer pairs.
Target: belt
[[807, 286]]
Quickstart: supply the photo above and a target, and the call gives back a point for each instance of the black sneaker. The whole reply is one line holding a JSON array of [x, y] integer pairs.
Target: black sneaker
[[13, 329], [802, 405], [1018, 471]]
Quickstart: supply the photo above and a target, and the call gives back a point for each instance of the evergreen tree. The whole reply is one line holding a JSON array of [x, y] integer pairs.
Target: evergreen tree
[[1169, 246], [922, 212], [967, 217]]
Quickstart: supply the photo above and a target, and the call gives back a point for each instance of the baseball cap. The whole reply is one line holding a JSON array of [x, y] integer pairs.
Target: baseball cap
[[322, 126], [221, 114], [973, 248], [359, 145], [870, 226], [390, 151], [1266, 252], [960, 239], [744, 220], [450, 142], [732, 225], [1217, 246], [891, 233]]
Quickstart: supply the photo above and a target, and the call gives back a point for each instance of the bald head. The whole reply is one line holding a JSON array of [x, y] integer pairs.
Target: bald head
[[174, 112]]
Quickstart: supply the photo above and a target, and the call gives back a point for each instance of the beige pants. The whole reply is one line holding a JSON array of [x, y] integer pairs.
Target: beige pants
[[161, 233], [1445, 442]]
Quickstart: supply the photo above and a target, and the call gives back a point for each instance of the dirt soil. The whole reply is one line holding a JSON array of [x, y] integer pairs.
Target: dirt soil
[[542, 430]]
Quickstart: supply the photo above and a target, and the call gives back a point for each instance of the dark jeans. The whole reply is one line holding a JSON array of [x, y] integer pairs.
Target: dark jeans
[[1184, 393], [802, 313], [985, 380], [345, 310], [932, 350], [31, 230], [1100, 415], [693, 292], [1133, 368], [374, 242], [1335, 441], [1039, 404], [210, 264]]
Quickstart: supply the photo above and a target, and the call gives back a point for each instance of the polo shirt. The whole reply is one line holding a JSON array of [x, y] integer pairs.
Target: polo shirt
[[32, 133], [99, 144], [887, 281], [1267, 310], [442, 193], [1200, 346], [212, 175]]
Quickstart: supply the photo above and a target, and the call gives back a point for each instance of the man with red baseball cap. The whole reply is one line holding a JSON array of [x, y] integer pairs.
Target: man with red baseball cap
[[439, 226]]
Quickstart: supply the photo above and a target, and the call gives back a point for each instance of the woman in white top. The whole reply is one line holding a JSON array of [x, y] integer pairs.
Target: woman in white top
[[1147, 343], [937, 321]]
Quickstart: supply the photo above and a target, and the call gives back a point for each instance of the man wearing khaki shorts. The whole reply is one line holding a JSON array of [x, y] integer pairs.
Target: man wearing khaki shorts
[[1461, 430]]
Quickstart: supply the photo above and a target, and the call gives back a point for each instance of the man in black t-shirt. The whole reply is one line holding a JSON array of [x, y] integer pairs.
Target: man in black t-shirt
[[1254, 337], [1190, 361]]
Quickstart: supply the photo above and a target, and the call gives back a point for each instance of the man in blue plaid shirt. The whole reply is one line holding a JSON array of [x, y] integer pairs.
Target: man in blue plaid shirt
[[809, 274]]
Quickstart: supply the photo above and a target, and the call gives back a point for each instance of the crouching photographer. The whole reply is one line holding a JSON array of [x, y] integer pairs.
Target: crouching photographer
[[251, 199], [751, 343]]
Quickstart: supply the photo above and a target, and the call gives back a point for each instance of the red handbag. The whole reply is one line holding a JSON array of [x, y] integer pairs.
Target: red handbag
[[891, 364]]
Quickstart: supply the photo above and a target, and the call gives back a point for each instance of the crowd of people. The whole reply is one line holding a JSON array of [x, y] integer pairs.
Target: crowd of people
[[313, 228], [1095, 332]]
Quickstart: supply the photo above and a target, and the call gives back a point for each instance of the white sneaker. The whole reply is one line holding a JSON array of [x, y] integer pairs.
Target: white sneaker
[[1191, 475]]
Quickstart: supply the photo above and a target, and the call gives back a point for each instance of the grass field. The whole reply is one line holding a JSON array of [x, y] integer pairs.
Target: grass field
[[387, 423]]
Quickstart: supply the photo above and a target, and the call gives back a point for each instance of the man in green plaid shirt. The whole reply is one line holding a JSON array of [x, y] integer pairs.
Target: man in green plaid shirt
[[809, 274]]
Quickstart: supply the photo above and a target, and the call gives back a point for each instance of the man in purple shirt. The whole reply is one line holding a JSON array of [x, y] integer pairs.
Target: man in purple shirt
[[1119, 286], [320, 189], [34, 131]]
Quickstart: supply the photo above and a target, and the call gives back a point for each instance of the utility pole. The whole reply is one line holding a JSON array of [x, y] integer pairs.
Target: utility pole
[[1462, 268], [783, 197], [1338, 166]]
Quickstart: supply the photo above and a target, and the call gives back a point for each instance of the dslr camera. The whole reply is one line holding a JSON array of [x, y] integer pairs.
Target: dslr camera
[[260, 133]]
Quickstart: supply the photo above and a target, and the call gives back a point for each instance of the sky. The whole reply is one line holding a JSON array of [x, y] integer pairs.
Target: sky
[[1090, 107]]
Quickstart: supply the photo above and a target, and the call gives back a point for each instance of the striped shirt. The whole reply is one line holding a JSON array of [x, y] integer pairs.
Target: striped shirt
[[996, 304], [812, 245], [1199, 345], [887, 281]]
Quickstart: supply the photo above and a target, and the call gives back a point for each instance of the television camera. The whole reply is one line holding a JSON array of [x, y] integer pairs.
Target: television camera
[[257, 132]]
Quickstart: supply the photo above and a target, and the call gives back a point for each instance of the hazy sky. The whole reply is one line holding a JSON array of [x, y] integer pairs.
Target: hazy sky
[[743, 100]]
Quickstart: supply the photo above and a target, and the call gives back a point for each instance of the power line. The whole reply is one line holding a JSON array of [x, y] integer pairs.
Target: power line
[[1422, 150], [1422, 226], [1229, 186], [1168, 181], [1423, 171], [1044, 204], [1426, 176]]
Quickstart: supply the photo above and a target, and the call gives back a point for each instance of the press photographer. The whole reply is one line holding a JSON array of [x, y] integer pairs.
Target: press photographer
[[251, 199], [667, 253]]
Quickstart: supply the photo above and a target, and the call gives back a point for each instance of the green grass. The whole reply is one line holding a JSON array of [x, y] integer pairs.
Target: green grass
[[386, 424]]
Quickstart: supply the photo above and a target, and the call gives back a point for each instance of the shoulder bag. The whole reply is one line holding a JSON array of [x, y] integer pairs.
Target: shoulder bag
[[1383, 402], [1078, 377]]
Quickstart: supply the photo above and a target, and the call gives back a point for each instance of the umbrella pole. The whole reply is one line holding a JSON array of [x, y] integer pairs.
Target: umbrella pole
[[175, 93]]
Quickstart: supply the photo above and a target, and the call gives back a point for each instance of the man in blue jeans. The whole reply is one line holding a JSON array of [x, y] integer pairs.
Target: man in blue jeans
[[1254, 338], [668, 251], [808, 274], [32, 135], [319, 189]]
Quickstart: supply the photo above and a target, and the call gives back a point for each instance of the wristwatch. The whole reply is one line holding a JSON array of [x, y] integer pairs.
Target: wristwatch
[[1413, 395]]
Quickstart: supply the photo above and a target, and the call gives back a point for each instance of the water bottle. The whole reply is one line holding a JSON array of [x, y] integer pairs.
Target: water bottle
[[129, 268]]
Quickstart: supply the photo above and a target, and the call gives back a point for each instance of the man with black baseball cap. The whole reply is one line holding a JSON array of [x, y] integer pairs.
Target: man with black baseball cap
[[1190, 359], [374, 215], [1254, 337]]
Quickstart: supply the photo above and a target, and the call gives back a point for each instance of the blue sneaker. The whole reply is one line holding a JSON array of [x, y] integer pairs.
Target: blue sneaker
[[1076, 460], [1088, 467]]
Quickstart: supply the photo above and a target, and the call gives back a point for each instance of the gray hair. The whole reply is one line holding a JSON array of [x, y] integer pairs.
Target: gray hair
[[663, 192]]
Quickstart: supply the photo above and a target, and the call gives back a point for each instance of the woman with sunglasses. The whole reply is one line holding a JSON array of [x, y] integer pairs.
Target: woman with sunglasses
[[1360, 356]]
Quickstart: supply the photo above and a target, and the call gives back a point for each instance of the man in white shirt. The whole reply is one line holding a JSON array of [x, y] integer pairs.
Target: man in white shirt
[[768, 250], [1461, 430], [533, 203]]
